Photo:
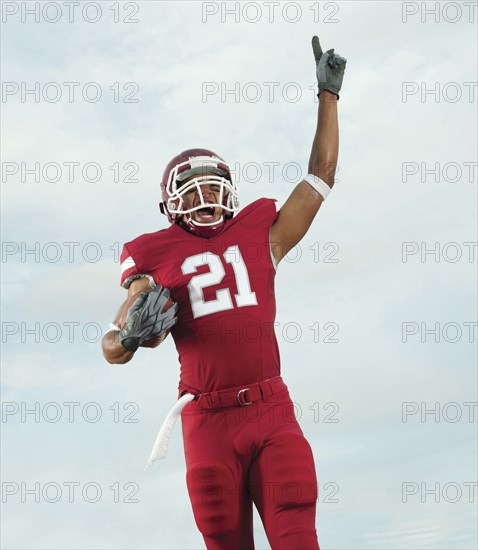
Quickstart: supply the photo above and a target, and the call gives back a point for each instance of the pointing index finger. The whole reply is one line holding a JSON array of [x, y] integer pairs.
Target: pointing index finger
[[317, 49]]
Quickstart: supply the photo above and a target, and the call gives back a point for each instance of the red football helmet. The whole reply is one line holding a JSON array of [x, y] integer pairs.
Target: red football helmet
[[208, 169]]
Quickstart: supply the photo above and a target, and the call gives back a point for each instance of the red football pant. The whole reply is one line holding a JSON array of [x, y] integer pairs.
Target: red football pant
[[239, 455]]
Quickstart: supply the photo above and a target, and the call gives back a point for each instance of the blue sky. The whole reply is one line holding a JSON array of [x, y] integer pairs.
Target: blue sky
[[362, 460]]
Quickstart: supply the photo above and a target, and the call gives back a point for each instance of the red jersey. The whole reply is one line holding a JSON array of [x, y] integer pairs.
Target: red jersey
[[224, 287]]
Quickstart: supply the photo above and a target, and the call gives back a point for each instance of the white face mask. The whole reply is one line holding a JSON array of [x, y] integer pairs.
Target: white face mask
[[208, 173]]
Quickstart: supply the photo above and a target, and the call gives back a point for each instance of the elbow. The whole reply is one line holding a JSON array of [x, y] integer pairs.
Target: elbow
[[117, 360], [115, 356], [325, 171], [112, 360], [328, 174]]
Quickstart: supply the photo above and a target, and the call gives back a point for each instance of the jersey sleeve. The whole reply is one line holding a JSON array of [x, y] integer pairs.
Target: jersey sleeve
[[268, 211], [271, 209], [260, 214], [130, 270], [257, 219]]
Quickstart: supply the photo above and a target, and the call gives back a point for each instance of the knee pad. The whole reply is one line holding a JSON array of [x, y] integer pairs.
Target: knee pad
[[213, 493]]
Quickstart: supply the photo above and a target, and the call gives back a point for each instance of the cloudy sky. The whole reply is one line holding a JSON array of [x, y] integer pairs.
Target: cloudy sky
[[376, 308]]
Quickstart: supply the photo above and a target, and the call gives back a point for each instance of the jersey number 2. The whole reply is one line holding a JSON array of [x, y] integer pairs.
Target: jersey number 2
[[223, 301]]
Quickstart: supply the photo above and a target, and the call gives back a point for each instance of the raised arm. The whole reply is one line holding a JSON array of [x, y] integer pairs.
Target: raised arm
[[299, 210]]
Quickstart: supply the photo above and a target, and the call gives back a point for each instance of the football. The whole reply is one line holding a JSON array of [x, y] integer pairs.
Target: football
[[123, 314]]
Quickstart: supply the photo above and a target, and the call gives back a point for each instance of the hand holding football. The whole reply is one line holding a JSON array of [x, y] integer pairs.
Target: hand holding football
[[123, 312]]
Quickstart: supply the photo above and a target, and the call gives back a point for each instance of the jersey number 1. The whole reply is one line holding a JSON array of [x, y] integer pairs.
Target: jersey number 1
[[223, 301]]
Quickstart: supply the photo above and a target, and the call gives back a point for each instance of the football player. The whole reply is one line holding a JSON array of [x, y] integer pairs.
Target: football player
[[242, 442]]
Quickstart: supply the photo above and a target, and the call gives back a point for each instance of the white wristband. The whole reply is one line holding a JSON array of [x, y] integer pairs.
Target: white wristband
[[319, 185], [112, 328]]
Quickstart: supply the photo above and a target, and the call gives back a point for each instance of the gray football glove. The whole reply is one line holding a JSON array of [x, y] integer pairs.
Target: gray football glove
[[330, 68], [146, 318]]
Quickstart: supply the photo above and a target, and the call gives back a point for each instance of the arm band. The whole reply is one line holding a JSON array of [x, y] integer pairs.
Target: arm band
[[319, 185], [112, 328]]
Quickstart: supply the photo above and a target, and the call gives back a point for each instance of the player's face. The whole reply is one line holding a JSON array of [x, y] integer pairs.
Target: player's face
[[211, 194]]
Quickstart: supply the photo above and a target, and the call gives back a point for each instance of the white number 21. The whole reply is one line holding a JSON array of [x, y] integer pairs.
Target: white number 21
[[223, 301]]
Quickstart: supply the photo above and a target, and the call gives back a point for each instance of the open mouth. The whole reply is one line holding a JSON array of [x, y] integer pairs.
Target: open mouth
[[206, 213]]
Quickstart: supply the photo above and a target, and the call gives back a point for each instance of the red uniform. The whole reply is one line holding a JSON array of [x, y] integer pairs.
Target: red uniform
[[224, 287]]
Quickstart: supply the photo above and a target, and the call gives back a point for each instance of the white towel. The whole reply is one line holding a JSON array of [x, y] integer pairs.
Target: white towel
[[160, 446]]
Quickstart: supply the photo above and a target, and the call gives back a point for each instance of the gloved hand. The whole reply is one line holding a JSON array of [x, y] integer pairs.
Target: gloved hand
[[146, 318], [330, 68]]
